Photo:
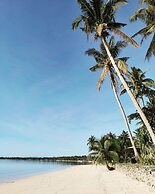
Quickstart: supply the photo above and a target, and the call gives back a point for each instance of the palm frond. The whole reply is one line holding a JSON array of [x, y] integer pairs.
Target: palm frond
[[149, 82], [115, 25], [107, 13], [87, 26], [144, 31], [117, 48], [96, 54], [122, 66], [114, 81], [121, 44], [118, 3], [86, 8], [76, 23], [96, 67], [103, 51], [124, 58], [139, 14], [97, 5], [111, 42], [125, 37], [151, 49], [150, 29], [147, 32], [102, 77], [133, 116]]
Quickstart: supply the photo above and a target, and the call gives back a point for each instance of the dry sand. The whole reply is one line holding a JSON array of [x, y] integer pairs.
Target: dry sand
[[77, 180]]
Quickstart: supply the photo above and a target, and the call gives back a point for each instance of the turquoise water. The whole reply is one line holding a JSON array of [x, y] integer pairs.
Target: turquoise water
[[11, 170]]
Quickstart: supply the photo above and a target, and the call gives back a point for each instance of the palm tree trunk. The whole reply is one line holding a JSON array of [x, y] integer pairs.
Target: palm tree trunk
[[137, 156], [142, 115]]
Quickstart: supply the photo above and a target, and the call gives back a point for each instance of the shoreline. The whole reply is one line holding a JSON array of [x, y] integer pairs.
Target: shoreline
[[19, 177], [87, 179], [23, 177]]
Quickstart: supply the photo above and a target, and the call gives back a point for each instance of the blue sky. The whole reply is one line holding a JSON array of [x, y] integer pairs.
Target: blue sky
[[49, 105]]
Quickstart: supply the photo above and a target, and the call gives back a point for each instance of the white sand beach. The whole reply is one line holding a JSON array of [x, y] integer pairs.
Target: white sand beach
[[87, 179]]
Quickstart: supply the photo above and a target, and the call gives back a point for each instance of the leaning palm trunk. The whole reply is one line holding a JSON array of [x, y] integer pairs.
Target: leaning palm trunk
[[137, 156], [142, 115]]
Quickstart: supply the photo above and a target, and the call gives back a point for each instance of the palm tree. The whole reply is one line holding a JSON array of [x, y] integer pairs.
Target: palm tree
[[104, 63], [110, 136], [149, 110], [144, 142], [147, 15], [91, 142], [105, 151], [98, 17], [125, 144], [143, 139], [140, 85]]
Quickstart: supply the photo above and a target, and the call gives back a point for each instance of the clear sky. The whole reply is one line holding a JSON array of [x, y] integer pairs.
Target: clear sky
[[49, 105]]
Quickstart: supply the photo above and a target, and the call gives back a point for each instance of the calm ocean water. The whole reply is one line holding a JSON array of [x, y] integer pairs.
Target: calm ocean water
[[11, 170]]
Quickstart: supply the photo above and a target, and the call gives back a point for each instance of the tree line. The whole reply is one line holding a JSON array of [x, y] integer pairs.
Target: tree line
[[64, 159]]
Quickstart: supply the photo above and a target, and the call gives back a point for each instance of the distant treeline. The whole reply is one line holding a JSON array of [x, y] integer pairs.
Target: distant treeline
[[71, 159]]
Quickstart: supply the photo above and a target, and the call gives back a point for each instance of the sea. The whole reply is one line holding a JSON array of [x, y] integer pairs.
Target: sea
[[11, 170]]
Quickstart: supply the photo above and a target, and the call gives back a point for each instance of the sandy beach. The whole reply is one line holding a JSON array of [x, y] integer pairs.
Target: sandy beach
[[87, 179]]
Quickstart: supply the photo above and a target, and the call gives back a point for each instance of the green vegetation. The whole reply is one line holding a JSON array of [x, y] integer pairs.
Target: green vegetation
[[147, 15], [105, 65], [110, 149], [104, 150], [143, 89], [98, 18]]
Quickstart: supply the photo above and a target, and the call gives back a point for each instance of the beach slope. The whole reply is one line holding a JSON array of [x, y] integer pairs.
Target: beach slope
[[87, 179]]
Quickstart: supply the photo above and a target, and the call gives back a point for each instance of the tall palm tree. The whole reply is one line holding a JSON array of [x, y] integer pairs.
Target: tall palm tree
[[140, 85], [98, 17], [146, 14], [104, 63]]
